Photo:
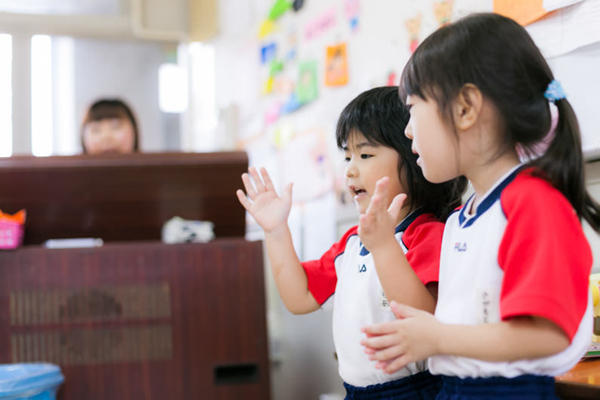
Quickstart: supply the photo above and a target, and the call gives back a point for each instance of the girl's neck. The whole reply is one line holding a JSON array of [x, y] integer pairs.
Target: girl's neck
[[483, 177]]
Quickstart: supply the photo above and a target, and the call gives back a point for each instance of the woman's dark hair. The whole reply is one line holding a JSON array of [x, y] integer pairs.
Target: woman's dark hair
[[111, 108], [379, 115], [498, 56]]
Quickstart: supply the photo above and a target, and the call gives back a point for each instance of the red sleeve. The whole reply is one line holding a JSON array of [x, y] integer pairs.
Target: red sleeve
[[544, 254], [321, 274], [423, 239]]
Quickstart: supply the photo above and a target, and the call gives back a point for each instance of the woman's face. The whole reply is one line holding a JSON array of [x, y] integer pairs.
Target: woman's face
[[109, 135]]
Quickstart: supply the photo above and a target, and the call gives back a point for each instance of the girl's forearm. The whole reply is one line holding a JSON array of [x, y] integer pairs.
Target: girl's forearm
[[515, 339], [288, 273], [399, 281]]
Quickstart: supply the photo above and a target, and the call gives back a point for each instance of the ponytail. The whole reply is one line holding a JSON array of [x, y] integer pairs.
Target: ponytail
[[562, 165]]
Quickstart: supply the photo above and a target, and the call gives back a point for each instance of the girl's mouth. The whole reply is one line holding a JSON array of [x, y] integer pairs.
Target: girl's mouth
[[358, 193]]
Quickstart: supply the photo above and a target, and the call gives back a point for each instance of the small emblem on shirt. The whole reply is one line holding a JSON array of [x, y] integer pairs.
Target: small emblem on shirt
[[460, 246], [488, 309], [362, 268], [486, 302]]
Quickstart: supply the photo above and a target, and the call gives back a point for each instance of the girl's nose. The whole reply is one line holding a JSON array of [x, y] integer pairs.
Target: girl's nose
[[408, 131], [351, 170]]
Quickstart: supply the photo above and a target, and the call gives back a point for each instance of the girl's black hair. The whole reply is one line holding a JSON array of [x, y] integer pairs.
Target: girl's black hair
[[111, 108], [498, 56], [379, 115]]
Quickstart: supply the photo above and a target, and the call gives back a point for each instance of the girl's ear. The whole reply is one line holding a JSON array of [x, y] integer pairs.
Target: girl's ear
[[467, 107]]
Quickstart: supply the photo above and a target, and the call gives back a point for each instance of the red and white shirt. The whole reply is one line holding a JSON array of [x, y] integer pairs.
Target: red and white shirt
[[522, 252], [348, 271]]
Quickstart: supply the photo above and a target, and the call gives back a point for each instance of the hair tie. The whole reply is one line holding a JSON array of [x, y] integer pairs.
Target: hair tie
[[539, 148], [554, 91]]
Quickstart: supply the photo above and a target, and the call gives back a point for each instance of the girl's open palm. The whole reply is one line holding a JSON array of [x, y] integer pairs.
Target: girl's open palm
[[262, 202], [377, 224]]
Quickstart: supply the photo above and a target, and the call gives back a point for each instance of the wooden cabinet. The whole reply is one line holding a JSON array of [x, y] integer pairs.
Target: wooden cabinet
[[140, 320]]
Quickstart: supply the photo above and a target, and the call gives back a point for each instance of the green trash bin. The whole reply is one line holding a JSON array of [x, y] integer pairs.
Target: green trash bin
[[29, 381]]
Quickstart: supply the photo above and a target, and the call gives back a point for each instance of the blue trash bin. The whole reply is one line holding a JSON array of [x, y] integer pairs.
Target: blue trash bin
[[29, 381]]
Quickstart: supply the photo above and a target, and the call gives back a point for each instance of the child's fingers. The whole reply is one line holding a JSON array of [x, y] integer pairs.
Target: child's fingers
[[365, 222], [287, 193], [379, 329], [382, 187], [376, 206], [243, 199], [396, 205], [387, 354], [267, 179], [257, 180], [379, 342], [250, 191], [397, 364]]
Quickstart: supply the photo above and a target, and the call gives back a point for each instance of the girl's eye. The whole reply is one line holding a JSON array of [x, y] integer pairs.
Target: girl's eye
[[365, 156], [347, 159]]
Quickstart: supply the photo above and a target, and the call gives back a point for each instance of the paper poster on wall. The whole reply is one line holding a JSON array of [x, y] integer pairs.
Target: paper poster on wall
[[307, 88], [272, 113], [267, 86], [266, 28], [552, 5], [392, 79], [352, 9], [336, 65], [275, 67], [306, 163], [442, 10], [322, 23], [291, 104], [413, 26], [292, 44], [526, 12], [567, 29], [297, 5], [268, 52], [283, 85], [278, 9], [577, 71]]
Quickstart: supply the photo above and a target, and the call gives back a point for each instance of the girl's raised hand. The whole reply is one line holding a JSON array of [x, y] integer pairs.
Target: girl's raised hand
[[376, 226], [412, 337], [262, 202]]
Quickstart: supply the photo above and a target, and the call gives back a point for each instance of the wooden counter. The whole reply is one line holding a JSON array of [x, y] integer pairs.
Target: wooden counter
[[580, 383]]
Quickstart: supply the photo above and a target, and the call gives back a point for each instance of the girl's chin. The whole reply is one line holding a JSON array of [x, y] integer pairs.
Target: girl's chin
[[362, 203]]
